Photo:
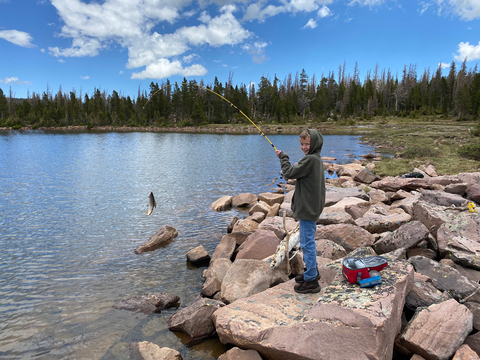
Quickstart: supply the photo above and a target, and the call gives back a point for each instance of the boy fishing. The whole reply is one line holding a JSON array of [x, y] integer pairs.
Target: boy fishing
[[307, 202]]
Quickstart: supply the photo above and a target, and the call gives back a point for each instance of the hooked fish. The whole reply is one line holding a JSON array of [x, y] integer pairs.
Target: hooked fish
[[151, 203]]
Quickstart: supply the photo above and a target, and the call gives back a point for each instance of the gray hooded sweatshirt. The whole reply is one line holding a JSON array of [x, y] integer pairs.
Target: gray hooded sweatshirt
[[309, 197]]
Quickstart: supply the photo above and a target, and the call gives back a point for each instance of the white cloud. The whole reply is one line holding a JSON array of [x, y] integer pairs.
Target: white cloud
[[9, 80], [221, 30], [255, 12], [257, 51], [312, 24], [129, 23], [164, 68], [190, 58], [16, 37], [80, 47], [302, 5], [444, 65], [324, 12], [466, 9], [369, 3], [147, 50], [85, 77], [424, 6], [467, 51]]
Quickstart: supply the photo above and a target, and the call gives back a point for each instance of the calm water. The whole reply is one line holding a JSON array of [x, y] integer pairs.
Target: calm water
[[73, 209]]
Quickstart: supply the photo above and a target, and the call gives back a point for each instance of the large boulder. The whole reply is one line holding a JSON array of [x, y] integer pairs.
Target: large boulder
[[334, 194], [224, 203], [259, 245], [446, 278], [432, 216], [464, 252], [329, 249], [442, 198], [198, 255], [470, 274], [260, 206], [377, 196], [245, 225], [390, 183], [458, 224], [470, 178], [366, 176], [240, 236], [225, 248], [148, 351], [358, 210], [376, 220], [240, 354], [464, 352], [458, 189], [406, 236], [161, 237], [406, 204], [247, 277], [271, 198], [214, 276], [196, 320], [342, 322], [438, 331], [245, 199], [343, 203], [424, 293], [328, 217], [348, 236], [275, 224]]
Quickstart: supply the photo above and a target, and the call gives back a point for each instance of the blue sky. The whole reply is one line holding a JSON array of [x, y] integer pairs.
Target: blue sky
[[124, 45]]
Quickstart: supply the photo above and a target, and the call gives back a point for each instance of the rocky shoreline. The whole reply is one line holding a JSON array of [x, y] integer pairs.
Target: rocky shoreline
[[427, 305]]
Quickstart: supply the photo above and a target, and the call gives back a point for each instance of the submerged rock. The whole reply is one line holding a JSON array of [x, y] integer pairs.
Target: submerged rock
[[162, 236], [148, 303]]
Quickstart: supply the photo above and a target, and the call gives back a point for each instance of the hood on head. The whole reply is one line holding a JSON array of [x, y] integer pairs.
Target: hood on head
[[316, 141]]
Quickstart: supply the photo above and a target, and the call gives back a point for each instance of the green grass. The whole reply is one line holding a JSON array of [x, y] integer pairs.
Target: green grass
[[446, 144]]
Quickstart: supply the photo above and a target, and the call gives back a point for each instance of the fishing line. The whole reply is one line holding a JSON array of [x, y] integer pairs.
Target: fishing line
[[220, 96]]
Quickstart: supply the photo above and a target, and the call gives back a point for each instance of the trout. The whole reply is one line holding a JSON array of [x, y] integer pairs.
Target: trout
[[151, 203]]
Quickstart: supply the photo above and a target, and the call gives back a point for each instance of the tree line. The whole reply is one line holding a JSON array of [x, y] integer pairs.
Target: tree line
[[336, 96]]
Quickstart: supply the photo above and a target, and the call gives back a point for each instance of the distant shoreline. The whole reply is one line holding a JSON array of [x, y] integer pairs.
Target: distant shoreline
[[288, 129]]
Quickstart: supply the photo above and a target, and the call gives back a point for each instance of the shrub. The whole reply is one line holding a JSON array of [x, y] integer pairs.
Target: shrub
[[470, 151]]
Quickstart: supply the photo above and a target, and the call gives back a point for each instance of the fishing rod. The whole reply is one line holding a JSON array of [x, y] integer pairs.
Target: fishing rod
[[220, 96]]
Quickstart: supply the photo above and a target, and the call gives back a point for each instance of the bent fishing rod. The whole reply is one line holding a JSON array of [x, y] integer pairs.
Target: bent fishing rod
[[220, 96]]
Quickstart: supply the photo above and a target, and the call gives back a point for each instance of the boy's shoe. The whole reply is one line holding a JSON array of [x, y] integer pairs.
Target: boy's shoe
[[299, 278], [307, 287]]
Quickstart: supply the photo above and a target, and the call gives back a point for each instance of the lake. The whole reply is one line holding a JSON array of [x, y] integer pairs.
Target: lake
[[73, 209]]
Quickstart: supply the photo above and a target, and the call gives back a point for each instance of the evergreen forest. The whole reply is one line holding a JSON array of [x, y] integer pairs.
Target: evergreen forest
[[295, 99]]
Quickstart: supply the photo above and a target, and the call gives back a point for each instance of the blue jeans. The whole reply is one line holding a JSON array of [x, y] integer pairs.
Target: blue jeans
[[307, 243]]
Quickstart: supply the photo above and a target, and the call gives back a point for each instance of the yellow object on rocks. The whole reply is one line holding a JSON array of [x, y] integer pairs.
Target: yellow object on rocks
[[471, 207]]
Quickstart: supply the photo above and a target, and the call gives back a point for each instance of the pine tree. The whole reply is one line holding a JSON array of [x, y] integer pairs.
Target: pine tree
[[3, 105]]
